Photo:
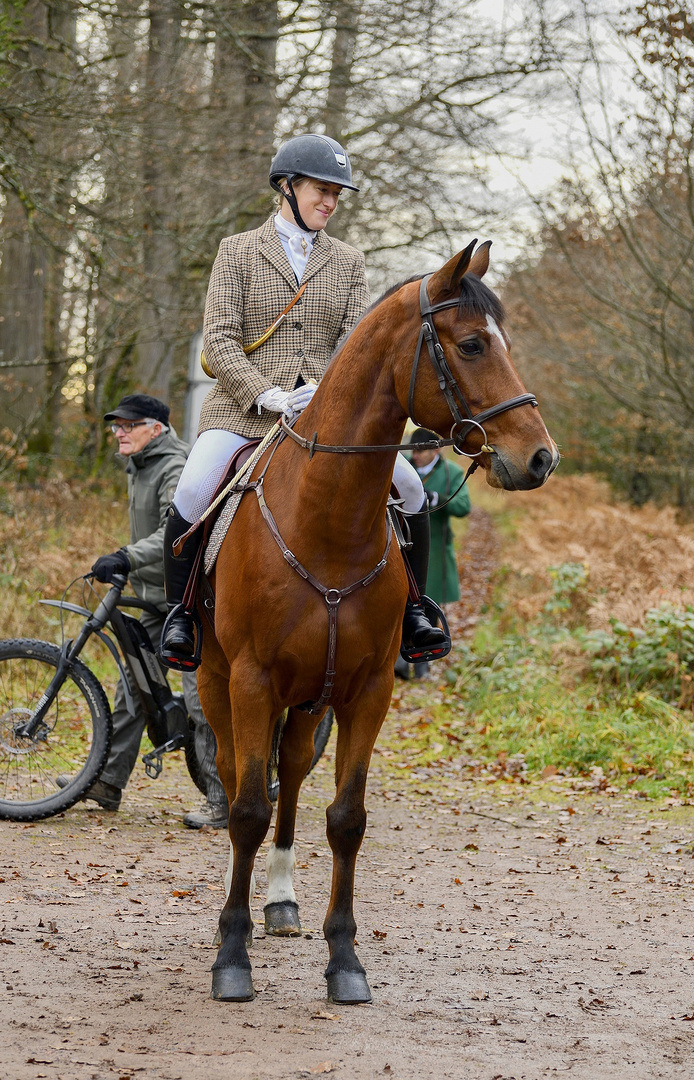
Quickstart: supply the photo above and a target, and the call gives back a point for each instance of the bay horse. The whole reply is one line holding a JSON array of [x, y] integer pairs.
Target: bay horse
[[321, 523]]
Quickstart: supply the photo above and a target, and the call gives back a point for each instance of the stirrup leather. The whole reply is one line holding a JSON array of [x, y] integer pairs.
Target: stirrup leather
[[422, 655], [179, 661]]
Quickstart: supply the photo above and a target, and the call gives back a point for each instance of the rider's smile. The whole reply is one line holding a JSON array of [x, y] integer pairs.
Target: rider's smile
[[317, 202]]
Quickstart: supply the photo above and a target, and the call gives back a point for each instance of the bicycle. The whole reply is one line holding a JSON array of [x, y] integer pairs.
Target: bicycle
[[55, 717]]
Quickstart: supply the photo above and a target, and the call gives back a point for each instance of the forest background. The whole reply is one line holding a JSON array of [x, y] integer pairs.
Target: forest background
[[134, 135]]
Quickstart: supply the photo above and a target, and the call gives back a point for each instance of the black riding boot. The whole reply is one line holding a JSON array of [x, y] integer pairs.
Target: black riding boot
[[417, 631], [178, 640]]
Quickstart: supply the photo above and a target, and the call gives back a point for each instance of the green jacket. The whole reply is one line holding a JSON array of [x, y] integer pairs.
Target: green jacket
[[152, 478], [442, 580]]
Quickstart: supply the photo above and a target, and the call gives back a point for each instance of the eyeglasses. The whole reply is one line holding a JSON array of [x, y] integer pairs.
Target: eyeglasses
[[127, 427]]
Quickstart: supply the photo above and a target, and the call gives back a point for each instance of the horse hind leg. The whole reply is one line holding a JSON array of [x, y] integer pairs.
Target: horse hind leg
[[295, 754], [227, 889]]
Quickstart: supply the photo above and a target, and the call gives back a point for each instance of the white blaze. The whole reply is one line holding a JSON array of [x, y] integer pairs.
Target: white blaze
[[495, 331]]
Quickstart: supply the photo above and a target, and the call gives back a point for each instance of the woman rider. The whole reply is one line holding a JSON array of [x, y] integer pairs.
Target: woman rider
[[255, 275]]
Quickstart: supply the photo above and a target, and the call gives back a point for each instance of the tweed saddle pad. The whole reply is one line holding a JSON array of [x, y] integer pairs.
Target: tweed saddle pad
[[226, 515]]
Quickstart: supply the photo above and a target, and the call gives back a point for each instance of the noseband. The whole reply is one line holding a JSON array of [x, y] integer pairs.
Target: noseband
[[447, 383]]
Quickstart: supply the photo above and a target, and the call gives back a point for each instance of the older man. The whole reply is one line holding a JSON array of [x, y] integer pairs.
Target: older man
[[154, 457]]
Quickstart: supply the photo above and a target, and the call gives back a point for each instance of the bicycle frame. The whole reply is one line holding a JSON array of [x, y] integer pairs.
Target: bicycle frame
[[138, 668]]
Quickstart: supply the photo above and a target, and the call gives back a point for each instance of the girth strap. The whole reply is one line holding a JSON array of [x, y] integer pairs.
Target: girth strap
[[332, 597]]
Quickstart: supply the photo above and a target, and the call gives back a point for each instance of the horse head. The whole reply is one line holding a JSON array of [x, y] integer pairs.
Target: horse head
[[463, 382]]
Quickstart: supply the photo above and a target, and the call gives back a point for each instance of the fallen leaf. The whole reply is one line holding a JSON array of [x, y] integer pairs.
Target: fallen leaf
[[380, 935], [321, 1014], [324, 1067], [549, 770], [181, 892]]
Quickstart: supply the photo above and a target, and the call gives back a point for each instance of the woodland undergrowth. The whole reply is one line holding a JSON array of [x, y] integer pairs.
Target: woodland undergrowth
[[550, 684]]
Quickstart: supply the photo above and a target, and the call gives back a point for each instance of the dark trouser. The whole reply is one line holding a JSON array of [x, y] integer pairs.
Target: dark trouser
[[128, 729]]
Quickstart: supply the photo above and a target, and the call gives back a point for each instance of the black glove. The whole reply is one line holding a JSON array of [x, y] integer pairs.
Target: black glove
[[107, 565], [432, 498]]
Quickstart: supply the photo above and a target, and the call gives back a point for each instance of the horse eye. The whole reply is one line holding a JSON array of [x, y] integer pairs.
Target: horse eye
[[471, 347]]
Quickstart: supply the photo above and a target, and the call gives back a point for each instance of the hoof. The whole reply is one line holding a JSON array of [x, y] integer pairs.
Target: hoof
[[348, 988], [282, 919], [232, 984]]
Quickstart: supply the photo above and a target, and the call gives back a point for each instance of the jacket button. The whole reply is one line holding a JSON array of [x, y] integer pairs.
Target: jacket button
[[298, 326], [300, 353]]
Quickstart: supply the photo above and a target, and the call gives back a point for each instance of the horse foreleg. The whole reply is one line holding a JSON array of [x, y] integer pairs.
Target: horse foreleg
[[296, 751], [249, 817], [213, 691], [358, 727]]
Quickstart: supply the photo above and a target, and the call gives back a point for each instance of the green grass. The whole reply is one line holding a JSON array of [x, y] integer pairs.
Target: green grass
[[523, 698]]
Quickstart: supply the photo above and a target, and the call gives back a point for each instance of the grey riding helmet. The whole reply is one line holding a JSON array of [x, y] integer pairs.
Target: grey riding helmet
[[315, 156]]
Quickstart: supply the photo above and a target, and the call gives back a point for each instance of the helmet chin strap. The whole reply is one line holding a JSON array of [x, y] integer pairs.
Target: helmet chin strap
[[290, 196]]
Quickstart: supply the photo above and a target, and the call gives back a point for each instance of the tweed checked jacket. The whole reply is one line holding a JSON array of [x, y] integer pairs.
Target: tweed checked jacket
[[251, 282]]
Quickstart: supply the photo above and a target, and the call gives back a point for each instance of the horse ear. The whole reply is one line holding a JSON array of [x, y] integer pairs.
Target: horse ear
[[479, 263], [448, 278]]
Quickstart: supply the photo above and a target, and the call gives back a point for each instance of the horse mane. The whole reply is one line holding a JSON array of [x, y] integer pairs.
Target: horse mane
[[475, 298]]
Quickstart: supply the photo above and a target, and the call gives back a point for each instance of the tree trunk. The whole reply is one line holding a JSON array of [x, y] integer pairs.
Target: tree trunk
[[160, 146], [31, 275], [346, 14], [22, 276], [244, 109]]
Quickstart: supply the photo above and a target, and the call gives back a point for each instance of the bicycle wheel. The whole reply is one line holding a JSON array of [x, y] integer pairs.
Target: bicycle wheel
[[74, 737], [321, 736], [192, 761], [320, 741]]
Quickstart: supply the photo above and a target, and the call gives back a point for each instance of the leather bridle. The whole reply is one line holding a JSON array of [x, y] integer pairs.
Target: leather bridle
[[462, 424], [447, 382]]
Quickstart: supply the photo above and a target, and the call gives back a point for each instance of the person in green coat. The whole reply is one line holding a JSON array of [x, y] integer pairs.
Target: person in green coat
[[441, 478]]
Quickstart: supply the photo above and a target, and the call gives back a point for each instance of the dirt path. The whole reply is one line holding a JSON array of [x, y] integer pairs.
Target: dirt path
[[558, 939], [507, 931]]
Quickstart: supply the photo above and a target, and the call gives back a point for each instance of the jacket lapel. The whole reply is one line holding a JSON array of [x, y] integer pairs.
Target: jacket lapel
[[271, 248], [322, 251]]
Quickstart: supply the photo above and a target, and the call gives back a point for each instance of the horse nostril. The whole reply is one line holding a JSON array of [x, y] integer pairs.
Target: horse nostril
[[540, 464]]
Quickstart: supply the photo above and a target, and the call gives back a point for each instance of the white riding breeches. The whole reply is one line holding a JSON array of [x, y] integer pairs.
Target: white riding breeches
[[208, 460], [203, 470]]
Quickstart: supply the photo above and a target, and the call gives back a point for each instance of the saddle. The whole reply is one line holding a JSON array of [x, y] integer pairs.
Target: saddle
[[200, 587], [198, 581]]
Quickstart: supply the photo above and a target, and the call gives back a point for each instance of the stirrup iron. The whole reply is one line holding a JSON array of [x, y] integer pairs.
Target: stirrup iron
[[422, 655], [178, 661]]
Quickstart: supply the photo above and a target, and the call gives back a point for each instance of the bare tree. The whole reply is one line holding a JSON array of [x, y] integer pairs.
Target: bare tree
[[133, 137], [610, 297]]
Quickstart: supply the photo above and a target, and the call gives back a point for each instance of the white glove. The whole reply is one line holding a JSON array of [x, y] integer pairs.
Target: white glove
[[275, 400], [291, 404], [298, 399]]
